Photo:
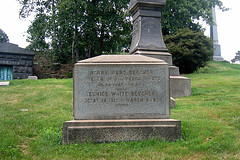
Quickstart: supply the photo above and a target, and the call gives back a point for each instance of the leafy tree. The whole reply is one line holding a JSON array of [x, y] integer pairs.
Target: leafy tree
[[183, 13], [190, 49], [37, 33], [3, 36], [236, 58], [78, 27]]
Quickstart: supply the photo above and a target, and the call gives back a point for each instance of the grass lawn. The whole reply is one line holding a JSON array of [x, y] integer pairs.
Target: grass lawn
[[210, 121]]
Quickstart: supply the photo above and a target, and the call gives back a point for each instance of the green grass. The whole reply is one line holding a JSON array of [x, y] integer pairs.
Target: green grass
[[210, 121]]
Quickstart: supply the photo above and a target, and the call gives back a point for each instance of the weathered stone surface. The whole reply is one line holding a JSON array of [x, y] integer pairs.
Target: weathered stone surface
[[120, 130], [33, 77], [167, 57], [180, 86], [121, 98], [147, 32], [217, 53], [4, 84], [174, 71], [120, 87]]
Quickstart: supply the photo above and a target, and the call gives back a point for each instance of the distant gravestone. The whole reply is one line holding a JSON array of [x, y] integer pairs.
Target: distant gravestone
[[121, 98], [4, 84], [33, 77]]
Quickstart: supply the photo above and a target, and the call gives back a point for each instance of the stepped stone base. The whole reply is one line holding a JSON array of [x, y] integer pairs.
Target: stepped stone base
[[180, 86], [167, 57], [120, 130], [174, 71]]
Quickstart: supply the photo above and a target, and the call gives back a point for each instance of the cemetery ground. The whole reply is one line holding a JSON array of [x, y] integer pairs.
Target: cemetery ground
[[32, 114]]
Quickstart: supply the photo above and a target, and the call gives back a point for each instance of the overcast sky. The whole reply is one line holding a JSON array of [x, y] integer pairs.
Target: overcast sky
[[228, 26]]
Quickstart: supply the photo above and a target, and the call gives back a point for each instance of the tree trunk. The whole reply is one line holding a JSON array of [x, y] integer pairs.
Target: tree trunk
[[73, 53], [88, 53], [100, 49], [75, 49], [76, 43]]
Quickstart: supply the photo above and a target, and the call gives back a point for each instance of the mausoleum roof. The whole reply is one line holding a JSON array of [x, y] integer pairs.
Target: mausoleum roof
[[13, 49]]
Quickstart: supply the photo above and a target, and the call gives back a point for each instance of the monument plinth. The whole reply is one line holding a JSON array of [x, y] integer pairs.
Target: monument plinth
[[147, 32], [121, 98]]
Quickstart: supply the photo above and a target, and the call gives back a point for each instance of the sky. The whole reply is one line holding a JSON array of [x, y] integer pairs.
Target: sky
[[228, 24]]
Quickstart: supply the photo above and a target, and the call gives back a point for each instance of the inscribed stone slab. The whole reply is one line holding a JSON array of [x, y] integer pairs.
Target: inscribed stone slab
[[121, 87]]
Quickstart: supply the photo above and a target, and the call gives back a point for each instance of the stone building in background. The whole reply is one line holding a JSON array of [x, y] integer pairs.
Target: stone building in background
[[15, 62]]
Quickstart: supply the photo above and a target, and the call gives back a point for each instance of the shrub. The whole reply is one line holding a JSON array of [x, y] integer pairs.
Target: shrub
[[190, 49]]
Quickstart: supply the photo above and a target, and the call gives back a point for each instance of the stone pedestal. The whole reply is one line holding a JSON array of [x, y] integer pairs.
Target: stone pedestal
[[214, 35], [147, 40], [120, 130], [121, 98]]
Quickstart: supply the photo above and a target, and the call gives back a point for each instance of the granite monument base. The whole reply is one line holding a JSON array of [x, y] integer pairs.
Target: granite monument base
[[167, 57], [121, 98], [218, 58], [97, 131], [179, 86]]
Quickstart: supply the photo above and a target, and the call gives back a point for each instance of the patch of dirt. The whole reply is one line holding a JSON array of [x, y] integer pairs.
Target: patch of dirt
[[212, 115], [24, 147]]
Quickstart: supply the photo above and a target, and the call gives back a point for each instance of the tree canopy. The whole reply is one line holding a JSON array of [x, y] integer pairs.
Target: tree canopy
[[236, 58], [81, 28], [3, 36], [76, 29], [179, 14], [190, 49]]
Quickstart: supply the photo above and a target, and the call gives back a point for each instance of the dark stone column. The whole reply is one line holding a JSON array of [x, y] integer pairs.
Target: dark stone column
[[147, 30]]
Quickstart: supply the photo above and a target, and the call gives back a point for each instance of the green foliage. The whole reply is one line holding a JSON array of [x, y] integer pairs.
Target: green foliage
[[76, 29], [53, 135], [190, 50], [182, 13], [236, 58], [3, 36]]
